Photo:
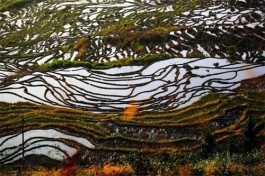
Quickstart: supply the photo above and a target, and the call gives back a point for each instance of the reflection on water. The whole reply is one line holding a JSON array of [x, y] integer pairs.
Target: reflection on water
[[39, 142], [164, 85]]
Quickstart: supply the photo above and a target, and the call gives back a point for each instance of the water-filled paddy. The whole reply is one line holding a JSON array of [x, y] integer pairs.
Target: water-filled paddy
[[100, 81]]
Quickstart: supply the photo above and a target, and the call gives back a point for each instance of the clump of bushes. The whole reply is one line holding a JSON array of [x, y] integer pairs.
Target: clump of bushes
[[82, 47], [140, 163]]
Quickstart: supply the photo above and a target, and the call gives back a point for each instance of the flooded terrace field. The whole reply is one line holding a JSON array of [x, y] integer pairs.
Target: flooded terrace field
[[149, 87]]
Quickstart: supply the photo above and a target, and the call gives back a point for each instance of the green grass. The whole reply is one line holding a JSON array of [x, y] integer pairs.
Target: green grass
[[185, 154], [126, 34], [43, 28], [144, 60], [6, 4], [198, 116]]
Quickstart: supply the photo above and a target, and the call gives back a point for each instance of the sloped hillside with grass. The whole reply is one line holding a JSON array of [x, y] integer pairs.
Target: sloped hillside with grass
[[132, 87], [213, 129]]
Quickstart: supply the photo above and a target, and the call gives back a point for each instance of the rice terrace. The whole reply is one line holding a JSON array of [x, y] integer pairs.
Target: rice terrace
[[132, 87]]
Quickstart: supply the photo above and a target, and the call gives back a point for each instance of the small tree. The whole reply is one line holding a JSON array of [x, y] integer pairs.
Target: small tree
[[140, 163], [209, 145], [250, 139], [247, 141]]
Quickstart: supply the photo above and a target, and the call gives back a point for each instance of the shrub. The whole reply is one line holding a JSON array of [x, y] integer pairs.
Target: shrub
[[208, 146], [140, 163], [231, 51], [82, 47], [249, 134], [137, 46]]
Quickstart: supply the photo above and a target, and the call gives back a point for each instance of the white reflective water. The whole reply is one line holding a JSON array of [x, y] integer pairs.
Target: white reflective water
[[173, 83], [40, 142]]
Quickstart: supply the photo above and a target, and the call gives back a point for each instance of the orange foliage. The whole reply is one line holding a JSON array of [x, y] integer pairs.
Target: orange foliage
[[185, 170], [130, 111], [112, 170], [236, 168], [46, 173], [69, 167], [91, 170], [258, 169], [211, 169]]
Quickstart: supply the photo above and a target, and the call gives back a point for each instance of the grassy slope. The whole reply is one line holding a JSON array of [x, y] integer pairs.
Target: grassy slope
[[214, 157], [7, 4], [219, 151]]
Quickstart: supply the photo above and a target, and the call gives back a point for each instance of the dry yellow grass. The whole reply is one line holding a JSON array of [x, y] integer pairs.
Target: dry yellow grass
[[82, 47], [113, 170], [185, 170], [237, 168], [46, 173], [210, 169]]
